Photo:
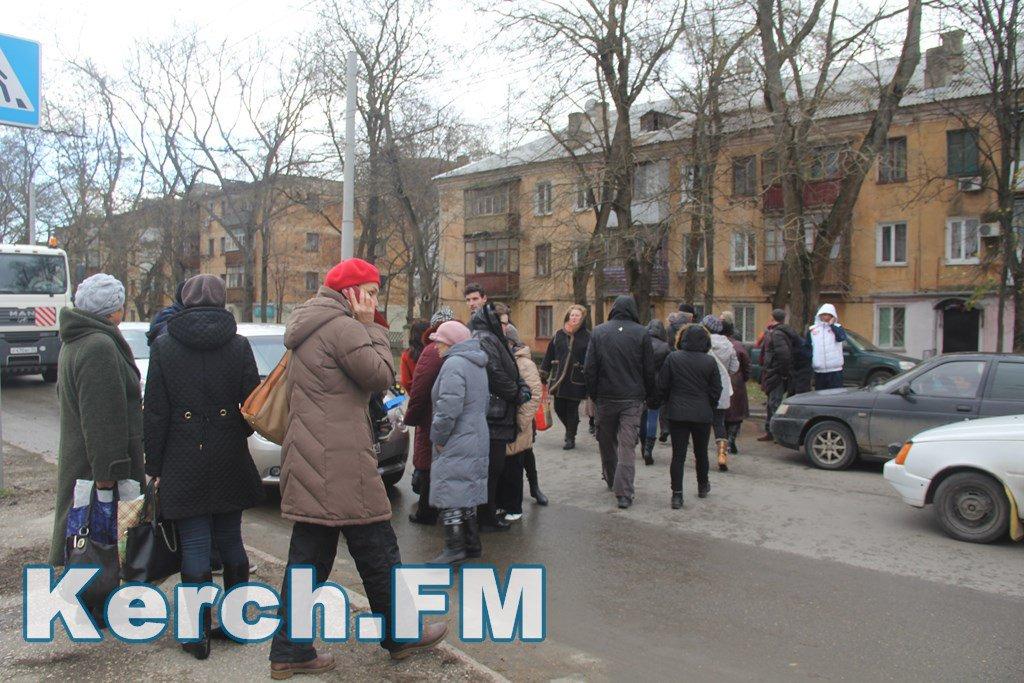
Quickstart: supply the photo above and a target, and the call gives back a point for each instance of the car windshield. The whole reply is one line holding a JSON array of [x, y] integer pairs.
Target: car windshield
[[137, 340], [32, 274], [268, 350], [860, 343]]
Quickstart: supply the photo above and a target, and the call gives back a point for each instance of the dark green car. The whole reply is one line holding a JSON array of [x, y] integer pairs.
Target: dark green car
[[863, 362]]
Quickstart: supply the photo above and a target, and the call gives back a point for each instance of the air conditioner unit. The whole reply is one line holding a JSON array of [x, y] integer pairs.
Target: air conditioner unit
[[988, 230], [969, 184]]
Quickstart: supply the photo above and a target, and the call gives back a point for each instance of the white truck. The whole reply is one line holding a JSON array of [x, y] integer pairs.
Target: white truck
[[34, 287]]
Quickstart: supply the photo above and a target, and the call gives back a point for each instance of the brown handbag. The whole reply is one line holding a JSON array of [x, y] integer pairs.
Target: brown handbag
[[266, 409]]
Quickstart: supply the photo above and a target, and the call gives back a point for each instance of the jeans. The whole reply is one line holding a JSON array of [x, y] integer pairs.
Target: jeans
[[375, 551], [510, 490], [649, 425], [775, 397], [681, 433], [719, 423], [618, 427], [568, 411], [828, 380], [198, 534], [496, 465]]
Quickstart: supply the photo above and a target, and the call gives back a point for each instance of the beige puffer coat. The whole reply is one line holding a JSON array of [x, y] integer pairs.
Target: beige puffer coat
[[524, 416], [328, 464]]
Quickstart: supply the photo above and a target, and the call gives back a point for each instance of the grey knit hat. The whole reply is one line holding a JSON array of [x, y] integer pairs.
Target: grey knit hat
[[100, 294], [713, 324], [203, 290], [442, 315]]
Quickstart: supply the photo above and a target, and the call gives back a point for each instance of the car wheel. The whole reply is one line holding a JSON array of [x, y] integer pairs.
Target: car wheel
[[878, 377], [50, 375], [830, 445], [392, 479], [972, 507]]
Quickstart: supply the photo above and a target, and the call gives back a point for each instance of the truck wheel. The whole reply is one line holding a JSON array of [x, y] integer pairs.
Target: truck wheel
[[50, 375], [830, 445], [878, 377], [972, 507]]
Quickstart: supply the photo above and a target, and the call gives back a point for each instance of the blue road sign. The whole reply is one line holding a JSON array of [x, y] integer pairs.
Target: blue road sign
[[20, 83]]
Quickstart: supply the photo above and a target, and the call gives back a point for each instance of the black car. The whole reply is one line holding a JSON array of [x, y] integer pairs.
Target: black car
[[835, 426]]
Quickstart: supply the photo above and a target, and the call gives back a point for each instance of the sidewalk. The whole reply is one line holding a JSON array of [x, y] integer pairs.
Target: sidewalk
[[26, 518]]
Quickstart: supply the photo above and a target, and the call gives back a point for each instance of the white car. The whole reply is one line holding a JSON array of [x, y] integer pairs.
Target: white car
[[972, 472], [267, 342]]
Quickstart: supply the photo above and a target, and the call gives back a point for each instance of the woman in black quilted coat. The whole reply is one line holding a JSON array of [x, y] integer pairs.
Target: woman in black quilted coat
[[195, 436]]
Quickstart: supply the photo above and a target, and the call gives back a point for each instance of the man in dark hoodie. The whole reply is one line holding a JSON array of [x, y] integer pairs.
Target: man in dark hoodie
[[159, 324], [619, 372]]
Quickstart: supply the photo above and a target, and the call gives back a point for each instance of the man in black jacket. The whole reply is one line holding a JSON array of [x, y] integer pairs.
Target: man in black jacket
[[781, 360], [620, 377], [508, 392]]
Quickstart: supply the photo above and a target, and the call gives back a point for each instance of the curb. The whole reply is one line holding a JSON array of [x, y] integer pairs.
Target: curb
[[360, 602]]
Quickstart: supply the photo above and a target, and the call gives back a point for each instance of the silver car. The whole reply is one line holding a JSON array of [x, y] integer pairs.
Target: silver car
[[267, 343]]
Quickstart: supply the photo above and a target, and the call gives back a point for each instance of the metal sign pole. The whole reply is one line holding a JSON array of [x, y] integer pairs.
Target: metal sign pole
[[348, 225], [32, 207]]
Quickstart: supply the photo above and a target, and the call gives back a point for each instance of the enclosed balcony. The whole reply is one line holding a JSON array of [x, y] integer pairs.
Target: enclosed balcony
[[492, 261], [616, 282]]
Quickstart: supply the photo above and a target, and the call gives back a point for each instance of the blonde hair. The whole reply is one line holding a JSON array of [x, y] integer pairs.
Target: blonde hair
[[576, 307]]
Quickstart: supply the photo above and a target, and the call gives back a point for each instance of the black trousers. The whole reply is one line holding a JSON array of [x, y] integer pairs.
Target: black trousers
[[375, 551], [681, 433], [568, 411], [530, 466], [496, 465], [510, 487], [424, 510], [828, 380], [719, 423]]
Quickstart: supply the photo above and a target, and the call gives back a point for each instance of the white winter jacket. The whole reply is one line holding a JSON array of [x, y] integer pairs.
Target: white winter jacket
[[724, 353], [826, 341]]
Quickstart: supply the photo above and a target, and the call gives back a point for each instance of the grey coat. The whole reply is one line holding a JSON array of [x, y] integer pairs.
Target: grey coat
[[458, 474]]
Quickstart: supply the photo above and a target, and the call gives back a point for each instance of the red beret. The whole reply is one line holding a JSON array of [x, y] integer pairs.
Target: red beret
[[352, 273]]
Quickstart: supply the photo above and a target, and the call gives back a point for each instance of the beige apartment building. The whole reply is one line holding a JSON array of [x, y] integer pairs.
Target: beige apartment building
[[917, 274]]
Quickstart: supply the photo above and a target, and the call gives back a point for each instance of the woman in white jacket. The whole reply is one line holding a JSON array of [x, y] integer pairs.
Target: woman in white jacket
[[723, 351]]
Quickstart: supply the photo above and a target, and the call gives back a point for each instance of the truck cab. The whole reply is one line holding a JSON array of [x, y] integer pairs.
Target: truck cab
[[34, 287]]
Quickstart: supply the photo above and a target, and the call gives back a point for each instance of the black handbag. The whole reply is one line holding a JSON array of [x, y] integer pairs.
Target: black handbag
[[152, 552], [80, 549]]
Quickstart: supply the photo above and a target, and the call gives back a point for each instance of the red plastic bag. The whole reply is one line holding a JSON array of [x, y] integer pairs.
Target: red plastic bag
[[543, 419]]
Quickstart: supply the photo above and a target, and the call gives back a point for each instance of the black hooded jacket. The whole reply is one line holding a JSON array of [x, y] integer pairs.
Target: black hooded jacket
[[689, 382], [620, 359], [506, 387], [659, 343], [195, 436]]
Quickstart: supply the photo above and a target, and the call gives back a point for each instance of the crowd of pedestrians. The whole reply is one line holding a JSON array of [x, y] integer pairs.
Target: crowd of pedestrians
[[474, 391]]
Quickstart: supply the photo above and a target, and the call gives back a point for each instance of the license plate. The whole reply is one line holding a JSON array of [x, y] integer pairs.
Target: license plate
[[23, 350]]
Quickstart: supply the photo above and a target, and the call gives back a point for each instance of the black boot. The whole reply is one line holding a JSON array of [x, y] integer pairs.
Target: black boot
[[593, 428], [733, 431], [570, 443], [454, 538], [677, 500], [473, 546], [201, 648], [234, 574], [649, 450], [531, 476]]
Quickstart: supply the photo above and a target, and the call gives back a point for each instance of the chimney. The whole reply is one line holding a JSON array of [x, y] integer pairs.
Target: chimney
[[576, 121], [461, 160], [944, 61], [598, 114]]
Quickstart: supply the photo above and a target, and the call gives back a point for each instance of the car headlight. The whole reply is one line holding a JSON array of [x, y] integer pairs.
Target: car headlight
[[782, 409], [907, 365]]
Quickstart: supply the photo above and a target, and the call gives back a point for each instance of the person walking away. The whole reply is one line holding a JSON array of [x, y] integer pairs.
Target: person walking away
[[776, 366], [620, 377], [418, 414], [562, 371], [158, 326], [197, 453], [411, 355], [690, 386], [651, 418], [677, 322], [507, 392], [100, 402], [723, 351], [739, 403], [826, 337], [458, 430], [329, 480], [510, 487]]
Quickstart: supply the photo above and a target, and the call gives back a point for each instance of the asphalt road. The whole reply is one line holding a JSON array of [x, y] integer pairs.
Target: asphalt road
[[783, 572]]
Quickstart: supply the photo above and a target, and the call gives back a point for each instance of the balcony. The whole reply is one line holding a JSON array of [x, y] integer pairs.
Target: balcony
[[615, 282], [816, 193], [236, 295], [497, 284], [837, 276]]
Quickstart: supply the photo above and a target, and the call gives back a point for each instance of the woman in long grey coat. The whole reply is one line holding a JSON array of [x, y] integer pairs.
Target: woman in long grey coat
[[458, 430]]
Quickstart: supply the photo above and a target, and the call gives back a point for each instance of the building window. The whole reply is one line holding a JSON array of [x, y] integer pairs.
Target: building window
[[774, 245], [811, 225], [234, 241], [223, 245], [235, 277], [545, 322], [745, 322], [744, 176], [209, 247], [892, 244], [312, 281], [489, 201], [770, 170], [689, 186], [694, 247], [962, 152], [488, 255], [581, 201], [892, 164], [542, 260], [962, 240], [312, 241], [744, 251], [891, 326], [825, 163], [542, 199]]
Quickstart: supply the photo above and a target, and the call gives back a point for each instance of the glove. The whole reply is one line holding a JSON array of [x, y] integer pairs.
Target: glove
[[524, 395]]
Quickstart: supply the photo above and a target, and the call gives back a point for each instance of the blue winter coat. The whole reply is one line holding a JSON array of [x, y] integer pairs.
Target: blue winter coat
[[458, 473]]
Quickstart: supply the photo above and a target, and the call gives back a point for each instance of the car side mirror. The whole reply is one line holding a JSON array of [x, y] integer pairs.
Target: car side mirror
[[904, 390]]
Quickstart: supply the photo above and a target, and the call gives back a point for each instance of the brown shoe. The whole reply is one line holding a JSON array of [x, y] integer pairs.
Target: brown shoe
[[766, 437], [280, 671], [723, 455], [432, 635]]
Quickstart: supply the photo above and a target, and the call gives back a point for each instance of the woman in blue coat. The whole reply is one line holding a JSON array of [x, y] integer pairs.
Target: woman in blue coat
[[459, 432]]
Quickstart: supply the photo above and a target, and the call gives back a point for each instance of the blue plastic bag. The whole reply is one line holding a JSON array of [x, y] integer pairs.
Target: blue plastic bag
[[102, 526]]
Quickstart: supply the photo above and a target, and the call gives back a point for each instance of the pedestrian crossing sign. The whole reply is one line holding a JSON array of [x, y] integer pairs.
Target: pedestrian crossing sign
[[20, 92]]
